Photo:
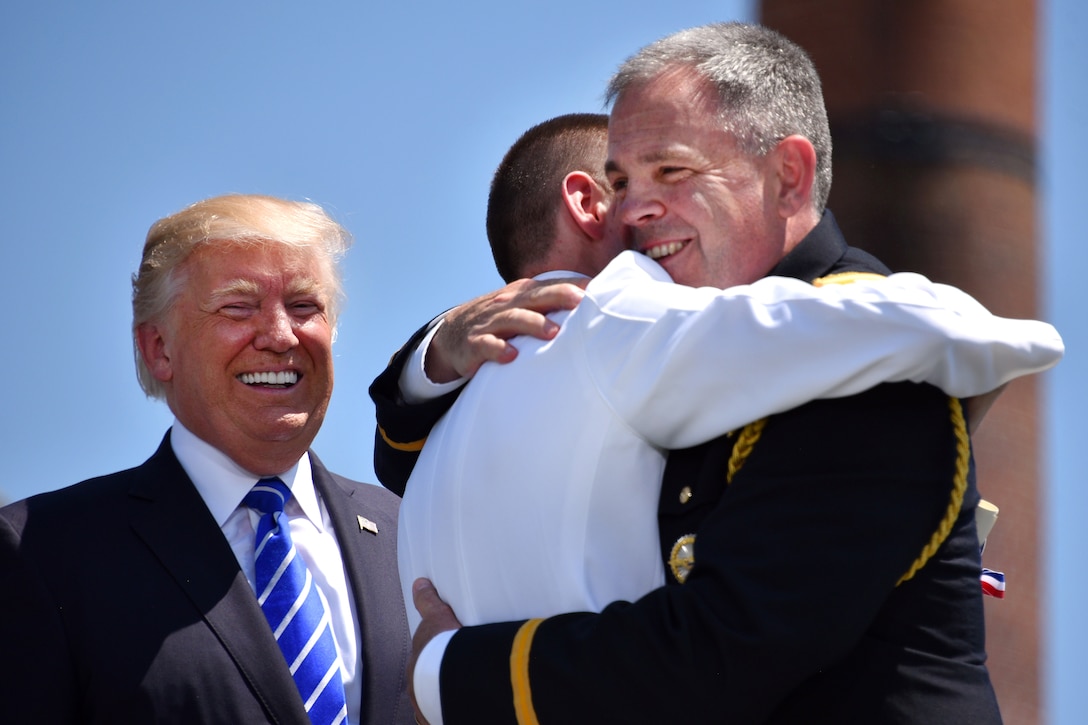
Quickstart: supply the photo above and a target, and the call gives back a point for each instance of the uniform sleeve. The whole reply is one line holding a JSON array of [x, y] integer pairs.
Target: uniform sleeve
[[792, 568], [684, 365], [402, 428]]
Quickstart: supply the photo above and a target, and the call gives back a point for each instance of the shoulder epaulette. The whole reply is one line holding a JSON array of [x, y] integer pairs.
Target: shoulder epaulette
[[845, 278]]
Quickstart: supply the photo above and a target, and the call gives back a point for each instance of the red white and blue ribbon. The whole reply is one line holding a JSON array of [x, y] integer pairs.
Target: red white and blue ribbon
[[993, 583]]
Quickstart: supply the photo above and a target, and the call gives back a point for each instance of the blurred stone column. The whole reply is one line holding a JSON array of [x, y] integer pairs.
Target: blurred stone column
[[932, 106]]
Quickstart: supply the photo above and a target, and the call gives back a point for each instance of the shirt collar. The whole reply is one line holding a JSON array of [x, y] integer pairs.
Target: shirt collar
[[560, 274], [223, 484]]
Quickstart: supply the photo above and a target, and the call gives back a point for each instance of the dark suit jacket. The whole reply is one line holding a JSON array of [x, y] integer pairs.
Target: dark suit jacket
[[792, 612], [121, 602]]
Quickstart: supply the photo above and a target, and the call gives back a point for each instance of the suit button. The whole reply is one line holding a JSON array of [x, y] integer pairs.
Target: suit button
[[685, 494]]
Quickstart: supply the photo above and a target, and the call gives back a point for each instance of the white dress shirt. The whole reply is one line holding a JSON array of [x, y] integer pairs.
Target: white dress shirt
[[536, 494], [223, 484]]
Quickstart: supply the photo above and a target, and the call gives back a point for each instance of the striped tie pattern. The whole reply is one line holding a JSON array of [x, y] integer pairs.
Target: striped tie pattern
[[294, 608]]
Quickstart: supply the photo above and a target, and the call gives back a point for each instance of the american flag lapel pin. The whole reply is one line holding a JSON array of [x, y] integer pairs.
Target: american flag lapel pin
[[366, 524]]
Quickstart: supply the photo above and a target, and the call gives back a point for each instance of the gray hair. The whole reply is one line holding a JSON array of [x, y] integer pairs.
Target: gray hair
[[767, 85], [226, 220]]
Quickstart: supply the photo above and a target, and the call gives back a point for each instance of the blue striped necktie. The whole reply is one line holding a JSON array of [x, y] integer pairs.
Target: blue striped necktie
[[294, 609]]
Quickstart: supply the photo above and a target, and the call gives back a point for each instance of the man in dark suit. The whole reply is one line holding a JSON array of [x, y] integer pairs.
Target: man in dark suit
[[131, 597], [823, 562]]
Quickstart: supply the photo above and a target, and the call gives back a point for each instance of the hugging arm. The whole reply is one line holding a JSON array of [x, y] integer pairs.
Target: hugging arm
[[466, 337]]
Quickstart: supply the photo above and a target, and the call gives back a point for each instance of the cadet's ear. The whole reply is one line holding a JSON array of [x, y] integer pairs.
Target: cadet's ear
[[795, 163], [586, 202]]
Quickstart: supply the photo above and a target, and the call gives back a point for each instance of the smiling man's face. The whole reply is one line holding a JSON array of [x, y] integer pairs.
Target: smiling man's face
[[686, 195], [246, 352]]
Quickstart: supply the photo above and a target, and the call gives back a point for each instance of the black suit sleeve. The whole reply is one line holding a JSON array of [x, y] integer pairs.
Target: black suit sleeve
[[795, 579], [402, 428], [36, 659]]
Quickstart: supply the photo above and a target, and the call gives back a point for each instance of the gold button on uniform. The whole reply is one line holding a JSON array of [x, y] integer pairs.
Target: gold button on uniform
[[682, 557], [685, 494]]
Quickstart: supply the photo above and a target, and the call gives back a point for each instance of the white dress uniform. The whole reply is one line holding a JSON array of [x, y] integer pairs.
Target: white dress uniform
[[537, 493]]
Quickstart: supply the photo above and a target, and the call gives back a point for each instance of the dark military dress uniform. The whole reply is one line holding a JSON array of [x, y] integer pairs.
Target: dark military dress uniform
[[823, 567]]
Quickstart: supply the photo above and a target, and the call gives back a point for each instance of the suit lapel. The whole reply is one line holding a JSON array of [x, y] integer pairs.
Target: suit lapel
[[177, 526], [366, 532]]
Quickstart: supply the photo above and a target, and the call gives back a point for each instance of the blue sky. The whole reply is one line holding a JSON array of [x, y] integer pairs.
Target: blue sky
[[393, 116]]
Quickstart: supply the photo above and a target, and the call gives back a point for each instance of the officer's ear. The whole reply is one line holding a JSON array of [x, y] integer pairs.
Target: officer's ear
[[794, 164]]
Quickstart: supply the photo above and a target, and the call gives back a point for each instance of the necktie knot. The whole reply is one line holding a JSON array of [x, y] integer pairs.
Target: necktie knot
[[268, 496]]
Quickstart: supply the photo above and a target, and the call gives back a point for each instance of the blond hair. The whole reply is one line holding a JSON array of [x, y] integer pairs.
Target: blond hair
[[225, 220]]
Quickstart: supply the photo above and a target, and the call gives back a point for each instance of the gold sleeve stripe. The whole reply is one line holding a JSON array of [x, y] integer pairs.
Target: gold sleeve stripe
[[519, 673], [845, 278], [959, 487], [413, 447]]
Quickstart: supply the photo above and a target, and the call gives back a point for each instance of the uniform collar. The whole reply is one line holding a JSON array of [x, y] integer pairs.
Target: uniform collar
[[816, 254]]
